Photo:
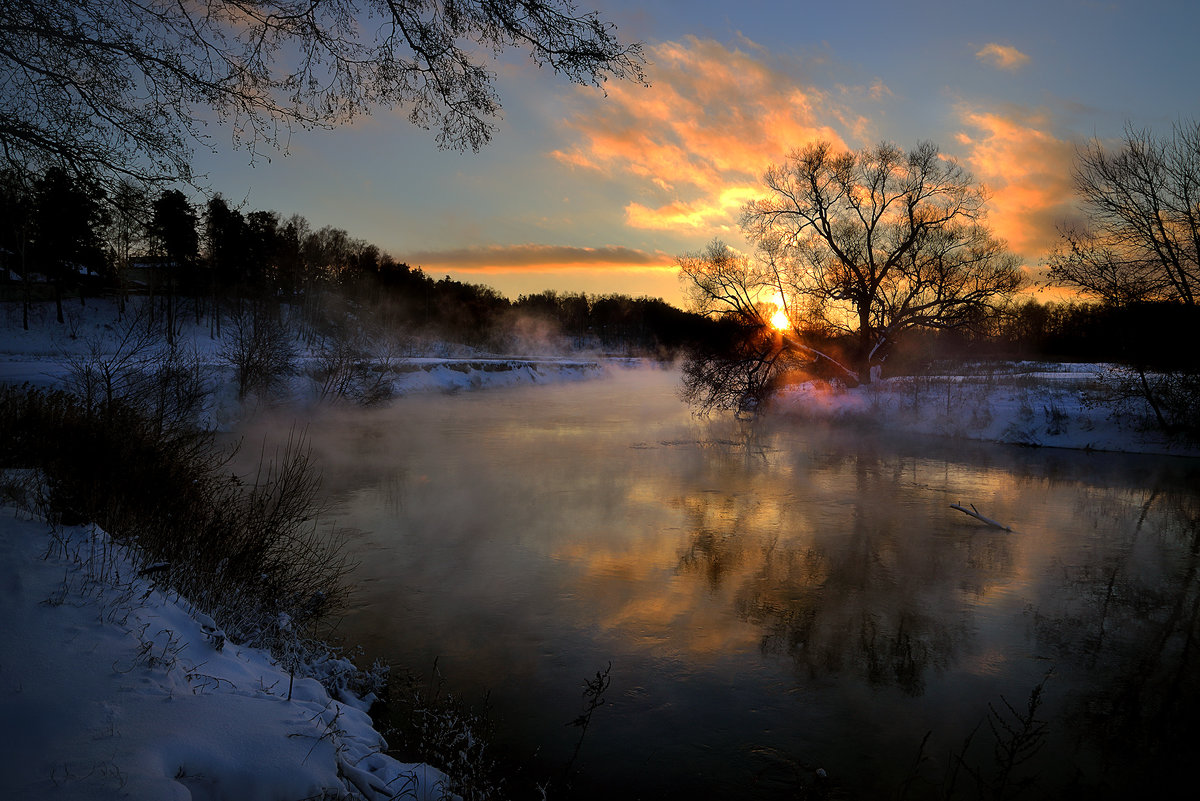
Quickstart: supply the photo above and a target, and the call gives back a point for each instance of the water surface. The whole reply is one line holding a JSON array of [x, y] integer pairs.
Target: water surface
[[773, 599]]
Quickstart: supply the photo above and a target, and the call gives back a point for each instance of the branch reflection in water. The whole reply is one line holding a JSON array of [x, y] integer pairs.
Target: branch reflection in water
[[772, 594]]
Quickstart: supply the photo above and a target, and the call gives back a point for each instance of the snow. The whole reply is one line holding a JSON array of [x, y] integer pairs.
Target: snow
[[111, 689], [42, 356], [1032, 404]]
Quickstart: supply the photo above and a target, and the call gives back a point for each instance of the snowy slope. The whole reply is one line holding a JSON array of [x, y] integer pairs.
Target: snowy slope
[[108, 689]]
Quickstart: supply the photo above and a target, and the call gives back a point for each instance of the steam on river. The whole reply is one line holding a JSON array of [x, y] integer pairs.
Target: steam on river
[[773, 597]]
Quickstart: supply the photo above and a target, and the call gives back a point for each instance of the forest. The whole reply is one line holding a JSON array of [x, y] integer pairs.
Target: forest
[[65, 239]]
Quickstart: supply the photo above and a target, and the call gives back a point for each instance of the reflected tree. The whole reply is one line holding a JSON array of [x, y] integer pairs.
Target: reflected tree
[[869, 600], [1133, 618], [832, 610]]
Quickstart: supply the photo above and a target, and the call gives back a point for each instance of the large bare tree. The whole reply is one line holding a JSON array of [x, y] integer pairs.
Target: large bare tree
[[1138, 253], [127, 87], [879, 241], [1141, 240]]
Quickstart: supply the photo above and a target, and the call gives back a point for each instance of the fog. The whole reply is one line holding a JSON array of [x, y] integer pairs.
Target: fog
[[773, 598]]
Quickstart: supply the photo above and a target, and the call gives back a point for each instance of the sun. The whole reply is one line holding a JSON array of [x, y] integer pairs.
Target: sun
[[779, 320]]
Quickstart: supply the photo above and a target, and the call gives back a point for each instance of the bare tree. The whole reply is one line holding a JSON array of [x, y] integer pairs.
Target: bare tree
[[126, 87], [260, 349], [16, 233], [69, 213], [1142, 205], [129, 223], [719, 282], [1138, 253], [877, 242], [743, 368]]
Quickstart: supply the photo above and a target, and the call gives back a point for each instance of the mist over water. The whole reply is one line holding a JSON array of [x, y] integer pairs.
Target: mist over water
[[773, 599]]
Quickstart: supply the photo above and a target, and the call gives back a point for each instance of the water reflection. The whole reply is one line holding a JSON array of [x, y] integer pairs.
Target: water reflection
[[765, 591], [1130, 615]]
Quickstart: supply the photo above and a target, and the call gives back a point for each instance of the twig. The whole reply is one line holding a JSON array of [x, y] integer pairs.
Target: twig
[[973, 512]]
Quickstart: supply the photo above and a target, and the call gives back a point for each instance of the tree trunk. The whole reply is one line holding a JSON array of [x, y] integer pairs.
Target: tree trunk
[[865, 347]]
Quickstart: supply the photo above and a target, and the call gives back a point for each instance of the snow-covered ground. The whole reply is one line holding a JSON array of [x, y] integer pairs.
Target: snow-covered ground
[[1023, 403], [43, 356], [111, 689]]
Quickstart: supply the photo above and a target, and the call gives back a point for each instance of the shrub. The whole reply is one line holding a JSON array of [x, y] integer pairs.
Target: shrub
[[261, 350], [1173, 397], [250, 553]]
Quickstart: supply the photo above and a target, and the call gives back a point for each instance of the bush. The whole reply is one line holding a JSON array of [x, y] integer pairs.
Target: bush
[[261, 350], [1173, 397], [249, 553]]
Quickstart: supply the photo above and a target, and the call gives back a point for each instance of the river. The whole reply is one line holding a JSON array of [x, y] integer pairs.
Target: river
[[785, 610]]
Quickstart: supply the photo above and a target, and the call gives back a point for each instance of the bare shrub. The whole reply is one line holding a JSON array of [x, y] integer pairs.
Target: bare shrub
[[450, 734], [1168, 399], [260, 349], [136, 370], [353, 364], [250, 553]]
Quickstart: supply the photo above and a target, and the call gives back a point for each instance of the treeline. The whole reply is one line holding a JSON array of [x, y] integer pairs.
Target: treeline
[[1157, 335], [1152, 334], [65, 236]]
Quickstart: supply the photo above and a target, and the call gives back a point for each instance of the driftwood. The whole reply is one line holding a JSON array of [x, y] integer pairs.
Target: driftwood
[[973, 512]]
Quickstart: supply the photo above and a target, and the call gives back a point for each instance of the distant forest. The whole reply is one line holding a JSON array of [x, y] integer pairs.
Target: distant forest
[[65, 237]]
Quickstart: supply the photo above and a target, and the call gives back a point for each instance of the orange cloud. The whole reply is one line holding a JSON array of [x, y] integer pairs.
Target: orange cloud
[[1027, 170], [1003, 57], [700, 138], [540, 258], [516, 270], [705, 212]]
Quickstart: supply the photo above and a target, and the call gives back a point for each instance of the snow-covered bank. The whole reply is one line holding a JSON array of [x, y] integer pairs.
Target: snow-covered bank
[[1022, 403], [111, 689], [48, 353]]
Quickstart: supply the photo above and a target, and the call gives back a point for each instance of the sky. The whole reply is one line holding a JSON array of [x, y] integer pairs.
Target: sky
[[599, 191]]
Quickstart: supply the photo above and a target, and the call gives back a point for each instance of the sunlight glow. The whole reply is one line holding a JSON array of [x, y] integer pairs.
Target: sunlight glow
[[779, 320]]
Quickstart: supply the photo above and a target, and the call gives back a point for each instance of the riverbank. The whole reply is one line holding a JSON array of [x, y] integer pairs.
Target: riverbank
[[1032, 404], [115, 686], [316, 369], [111, 687]]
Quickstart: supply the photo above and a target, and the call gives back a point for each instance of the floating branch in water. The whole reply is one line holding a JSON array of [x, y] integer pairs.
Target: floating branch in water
[[973, 512]]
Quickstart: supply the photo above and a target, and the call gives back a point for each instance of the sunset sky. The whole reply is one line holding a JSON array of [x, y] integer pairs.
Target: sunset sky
[[585, 192]]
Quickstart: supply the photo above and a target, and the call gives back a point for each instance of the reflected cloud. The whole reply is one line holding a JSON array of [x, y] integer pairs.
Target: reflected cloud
[[832, 587], [817, 579]]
